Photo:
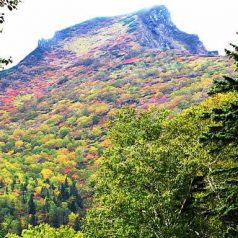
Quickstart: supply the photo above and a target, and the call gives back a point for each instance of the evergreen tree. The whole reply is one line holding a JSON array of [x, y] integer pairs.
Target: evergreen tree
[[221, 138], [75, 194], [53, 215], [45, 192], [13, 183], [64, 191], [31, 206], [77, 225], [225, 127]]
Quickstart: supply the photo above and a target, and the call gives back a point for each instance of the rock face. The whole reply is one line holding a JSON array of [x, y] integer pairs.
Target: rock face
[[160, 32], [152, 28]]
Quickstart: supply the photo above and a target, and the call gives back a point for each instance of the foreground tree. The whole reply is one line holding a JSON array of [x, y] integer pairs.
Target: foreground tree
[[148, 178], [124, 182], [222, 139]]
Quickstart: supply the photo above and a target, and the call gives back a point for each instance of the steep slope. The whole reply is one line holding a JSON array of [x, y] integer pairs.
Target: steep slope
[[56, 102], [100, 42]]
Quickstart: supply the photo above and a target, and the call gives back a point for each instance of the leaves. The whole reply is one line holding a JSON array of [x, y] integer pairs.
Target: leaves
[[44, 230]]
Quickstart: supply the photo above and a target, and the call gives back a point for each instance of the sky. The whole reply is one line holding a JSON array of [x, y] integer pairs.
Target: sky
[[214, 21]]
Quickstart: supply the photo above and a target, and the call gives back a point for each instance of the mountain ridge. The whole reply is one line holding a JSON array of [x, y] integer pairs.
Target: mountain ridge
[[146, 29], [152, 12], [152, 17]]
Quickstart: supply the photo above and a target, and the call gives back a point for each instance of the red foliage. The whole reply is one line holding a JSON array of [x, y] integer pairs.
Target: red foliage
[[130, 61], [67, 170]]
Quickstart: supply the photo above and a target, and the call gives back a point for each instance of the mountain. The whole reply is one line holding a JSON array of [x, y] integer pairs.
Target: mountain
[[54, 105], [97, 43]]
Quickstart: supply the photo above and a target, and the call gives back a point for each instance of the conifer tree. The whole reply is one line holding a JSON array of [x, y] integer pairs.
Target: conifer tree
[[75, 194], [32, 210], [222, 141], [31, 206], [225, 130]]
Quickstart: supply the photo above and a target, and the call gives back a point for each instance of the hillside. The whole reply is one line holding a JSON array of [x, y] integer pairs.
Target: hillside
[[55, 104]]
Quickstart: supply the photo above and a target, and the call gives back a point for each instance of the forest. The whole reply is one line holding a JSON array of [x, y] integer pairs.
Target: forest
[[162, 175]]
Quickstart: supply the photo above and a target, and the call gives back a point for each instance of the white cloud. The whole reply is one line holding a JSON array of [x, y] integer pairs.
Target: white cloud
[[214, 21]]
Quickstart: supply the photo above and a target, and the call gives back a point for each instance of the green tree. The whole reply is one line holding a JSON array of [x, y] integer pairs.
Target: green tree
[[31, 206], [145, 186], [221, 137], [32, 210]]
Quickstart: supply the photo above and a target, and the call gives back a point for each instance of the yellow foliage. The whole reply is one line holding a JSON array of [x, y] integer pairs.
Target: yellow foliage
[[19, 143], [46, 173], [32, 158], [47, 138], [96, 131], [11, 152], [106, 143], [45, 128], [63, 151], [18, 133], [60, 178], [72, 219], [99, 107], [38, 189], [2, 144], [62, 158], [84, 121], [99, 38]]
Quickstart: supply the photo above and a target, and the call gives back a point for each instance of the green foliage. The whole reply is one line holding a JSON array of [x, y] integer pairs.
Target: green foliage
[[123, 204], [222, 139], [11, 5], [64, 132], [54, 204], [225, 128], [225, 118], [225, 85], [61, 134], [148, 178], [177, 179], [155, 179], [44, 231]]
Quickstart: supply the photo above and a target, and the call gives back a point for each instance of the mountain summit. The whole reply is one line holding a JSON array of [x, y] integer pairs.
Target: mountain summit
[[156, 30], [150, 28]]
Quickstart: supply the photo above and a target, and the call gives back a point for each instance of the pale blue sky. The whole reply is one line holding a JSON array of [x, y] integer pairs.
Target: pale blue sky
[[215, 21]]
